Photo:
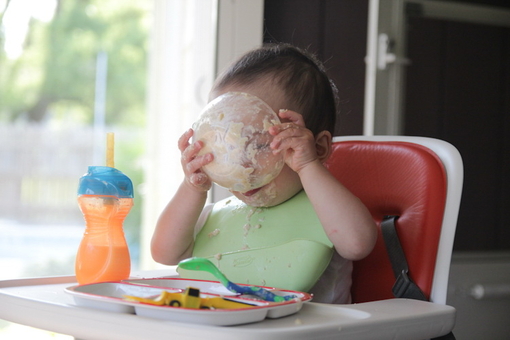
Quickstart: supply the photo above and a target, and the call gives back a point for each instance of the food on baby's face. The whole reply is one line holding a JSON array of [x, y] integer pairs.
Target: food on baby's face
[[234, 128]]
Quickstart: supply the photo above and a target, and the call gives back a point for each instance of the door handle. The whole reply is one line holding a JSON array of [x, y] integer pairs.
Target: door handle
[[384, 54]]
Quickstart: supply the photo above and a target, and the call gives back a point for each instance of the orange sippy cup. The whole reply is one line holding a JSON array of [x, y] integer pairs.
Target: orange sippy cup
[[105, 197]]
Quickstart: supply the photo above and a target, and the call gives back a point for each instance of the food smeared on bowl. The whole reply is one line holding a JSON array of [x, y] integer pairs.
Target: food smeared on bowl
[[235, 129]]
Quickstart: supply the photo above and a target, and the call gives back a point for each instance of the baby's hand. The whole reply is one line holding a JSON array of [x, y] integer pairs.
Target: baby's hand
[[192, 164], [294, 140]]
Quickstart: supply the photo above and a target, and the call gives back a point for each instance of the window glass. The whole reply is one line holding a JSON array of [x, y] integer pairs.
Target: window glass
[[70, 71]]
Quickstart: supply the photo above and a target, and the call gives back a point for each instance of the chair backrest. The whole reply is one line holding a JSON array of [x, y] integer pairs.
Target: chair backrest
[[417, 178]]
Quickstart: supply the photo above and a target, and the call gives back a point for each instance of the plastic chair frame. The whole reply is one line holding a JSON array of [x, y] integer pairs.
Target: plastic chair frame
[[453, 166]]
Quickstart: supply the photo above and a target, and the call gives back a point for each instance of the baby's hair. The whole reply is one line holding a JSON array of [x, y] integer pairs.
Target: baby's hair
[[301, 76]]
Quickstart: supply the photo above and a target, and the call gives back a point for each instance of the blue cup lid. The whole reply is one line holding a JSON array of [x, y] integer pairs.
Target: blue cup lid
[[105, 181]]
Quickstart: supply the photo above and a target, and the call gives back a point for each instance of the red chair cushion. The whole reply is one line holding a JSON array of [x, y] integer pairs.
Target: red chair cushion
[[394, 178]]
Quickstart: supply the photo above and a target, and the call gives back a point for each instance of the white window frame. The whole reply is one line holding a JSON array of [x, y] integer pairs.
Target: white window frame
[[192, 40]]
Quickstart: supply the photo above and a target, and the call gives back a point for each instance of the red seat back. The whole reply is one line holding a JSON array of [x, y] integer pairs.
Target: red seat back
[[394, 178]]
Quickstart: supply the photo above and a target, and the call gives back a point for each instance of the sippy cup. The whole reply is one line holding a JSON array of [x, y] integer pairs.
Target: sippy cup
[[105, 197]]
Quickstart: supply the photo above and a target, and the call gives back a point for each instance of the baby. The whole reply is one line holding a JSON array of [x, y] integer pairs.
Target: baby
[[294, 84]]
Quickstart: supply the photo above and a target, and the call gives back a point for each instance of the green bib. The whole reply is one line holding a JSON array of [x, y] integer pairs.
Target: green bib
[[283, 246]]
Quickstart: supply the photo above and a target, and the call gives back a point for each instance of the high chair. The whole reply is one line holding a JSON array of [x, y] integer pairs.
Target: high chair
[[417, 179]]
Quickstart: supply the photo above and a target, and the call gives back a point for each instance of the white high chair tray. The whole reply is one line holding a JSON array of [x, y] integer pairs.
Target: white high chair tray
[[43, 303]]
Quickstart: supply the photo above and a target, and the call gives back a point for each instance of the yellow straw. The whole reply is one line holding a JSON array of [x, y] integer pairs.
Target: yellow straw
[[110, 149]]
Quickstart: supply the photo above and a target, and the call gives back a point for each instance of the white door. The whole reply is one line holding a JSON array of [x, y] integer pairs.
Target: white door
[[386, 60]]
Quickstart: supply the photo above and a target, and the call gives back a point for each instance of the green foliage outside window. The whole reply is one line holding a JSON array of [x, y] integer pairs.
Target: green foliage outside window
[[55, 74]]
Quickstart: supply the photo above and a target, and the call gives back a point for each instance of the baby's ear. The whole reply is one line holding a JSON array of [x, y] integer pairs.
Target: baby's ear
[[323, 145]]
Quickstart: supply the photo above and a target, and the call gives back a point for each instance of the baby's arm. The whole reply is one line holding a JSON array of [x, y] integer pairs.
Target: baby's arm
[[173, 238], [345, 218]]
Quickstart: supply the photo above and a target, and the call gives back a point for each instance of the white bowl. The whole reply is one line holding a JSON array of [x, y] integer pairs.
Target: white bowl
[[234, 128]]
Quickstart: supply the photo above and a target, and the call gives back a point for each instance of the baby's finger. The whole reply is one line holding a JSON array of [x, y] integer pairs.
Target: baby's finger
[[183, 141], [276, 129], [198, 179], [198, 162], [286, 132], [292, 116], [192, 151]]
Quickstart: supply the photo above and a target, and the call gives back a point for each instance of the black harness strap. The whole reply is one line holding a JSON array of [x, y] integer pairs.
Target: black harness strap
[[404, 287]]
